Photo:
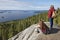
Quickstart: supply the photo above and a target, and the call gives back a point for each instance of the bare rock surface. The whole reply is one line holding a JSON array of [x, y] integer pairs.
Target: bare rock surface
[[31, 34]]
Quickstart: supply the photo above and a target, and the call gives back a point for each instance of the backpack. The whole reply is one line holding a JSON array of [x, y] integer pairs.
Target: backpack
[[53, 15]]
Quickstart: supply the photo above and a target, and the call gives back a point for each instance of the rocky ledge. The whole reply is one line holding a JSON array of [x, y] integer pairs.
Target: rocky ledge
[[30, 34]]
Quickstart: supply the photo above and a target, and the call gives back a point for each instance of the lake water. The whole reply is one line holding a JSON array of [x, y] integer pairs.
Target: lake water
[[8, 15]]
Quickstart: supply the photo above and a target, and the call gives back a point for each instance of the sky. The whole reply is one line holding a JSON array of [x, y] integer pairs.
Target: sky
[[28, 4]]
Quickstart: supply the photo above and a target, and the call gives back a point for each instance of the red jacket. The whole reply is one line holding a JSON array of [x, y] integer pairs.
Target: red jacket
[[50, 12]]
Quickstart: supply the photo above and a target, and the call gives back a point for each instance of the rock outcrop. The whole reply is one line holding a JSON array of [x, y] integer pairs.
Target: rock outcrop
[[31, 34]]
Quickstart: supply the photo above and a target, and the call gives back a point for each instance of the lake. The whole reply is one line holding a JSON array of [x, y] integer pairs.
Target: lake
[[8, 15]]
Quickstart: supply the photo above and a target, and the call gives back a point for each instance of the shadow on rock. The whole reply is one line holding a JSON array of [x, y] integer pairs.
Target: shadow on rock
[[54, 30]]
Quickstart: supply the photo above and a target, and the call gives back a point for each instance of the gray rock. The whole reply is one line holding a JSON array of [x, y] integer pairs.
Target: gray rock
[[30, 33]]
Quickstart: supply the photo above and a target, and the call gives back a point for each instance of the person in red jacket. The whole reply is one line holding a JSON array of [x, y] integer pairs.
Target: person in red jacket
[[50, 12]]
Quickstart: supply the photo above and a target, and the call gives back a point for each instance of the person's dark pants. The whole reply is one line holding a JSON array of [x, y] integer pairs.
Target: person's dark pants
[[51, 23]]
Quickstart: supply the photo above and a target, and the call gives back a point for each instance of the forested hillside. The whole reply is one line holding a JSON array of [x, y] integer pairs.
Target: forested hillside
[[11, 28]]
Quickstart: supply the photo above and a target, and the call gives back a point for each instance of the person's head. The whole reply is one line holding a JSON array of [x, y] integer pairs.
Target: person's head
[[52, 7]]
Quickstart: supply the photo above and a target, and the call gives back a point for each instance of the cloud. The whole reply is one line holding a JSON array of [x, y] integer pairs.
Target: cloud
[[41, 7], [18, 5], [11, 4]]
